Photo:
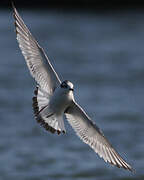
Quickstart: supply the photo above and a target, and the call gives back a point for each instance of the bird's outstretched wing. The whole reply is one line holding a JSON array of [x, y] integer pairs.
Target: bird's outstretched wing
[[35, 57], [93, 136]]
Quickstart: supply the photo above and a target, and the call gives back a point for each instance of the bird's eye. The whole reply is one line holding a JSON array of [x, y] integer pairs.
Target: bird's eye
[[64, 85]]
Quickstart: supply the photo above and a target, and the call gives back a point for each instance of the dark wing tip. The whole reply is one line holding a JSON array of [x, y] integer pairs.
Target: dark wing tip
[[14, 16], [13, 7], [12, 3], [123, 163]]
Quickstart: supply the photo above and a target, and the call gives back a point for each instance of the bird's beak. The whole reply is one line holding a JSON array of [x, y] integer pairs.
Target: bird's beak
[[71, 89]]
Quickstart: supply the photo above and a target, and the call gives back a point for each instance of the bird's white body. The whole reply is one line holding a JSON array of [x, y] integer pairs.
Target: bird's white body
[[53, 99], [61, 99]]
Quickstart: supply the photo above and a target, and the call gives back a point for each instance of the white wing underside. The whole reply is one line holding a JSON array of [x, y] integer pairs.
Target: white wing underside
[[35, 57], [92, 135]]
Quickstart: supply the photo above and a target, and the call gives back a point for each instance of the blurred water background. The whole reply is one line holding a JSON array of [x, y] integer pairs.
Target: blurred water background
[[103, 55]]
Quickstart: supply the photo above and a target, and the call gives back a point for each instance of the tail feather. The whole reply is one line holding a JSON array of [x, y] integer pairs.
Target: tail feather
[[44, 115]]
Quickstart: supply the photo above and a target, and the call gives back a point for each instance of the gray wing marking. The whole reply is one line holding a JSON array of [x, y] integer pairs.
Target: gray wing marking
[[93, 136], [36, 59]]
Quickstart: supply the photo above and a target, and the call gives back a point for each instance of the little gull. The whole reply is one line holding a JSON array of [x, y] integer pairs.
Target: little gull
[[53, 99]]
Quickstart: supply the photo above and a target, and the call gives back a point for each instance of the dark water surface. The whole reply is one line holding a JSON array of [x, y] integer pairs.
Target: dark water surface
[[103, 55]]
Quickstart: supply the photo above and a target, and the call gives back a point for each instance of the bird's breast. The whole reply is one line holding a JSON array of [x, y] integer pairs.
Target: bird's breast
[[59, 102]]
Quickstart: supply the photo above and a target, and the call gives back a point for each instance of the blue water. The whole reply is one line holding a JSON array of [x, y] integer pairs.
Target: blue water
[[103, 55]]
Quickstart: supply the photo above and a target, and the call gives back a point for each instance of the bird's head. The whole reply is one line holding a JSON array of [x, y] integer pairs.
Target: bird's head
[[67, 85]]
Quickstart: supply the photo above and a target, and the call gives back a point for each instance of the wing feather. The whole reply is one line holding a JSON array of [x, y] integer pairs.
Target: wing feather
[[93, 136], [36, 59]]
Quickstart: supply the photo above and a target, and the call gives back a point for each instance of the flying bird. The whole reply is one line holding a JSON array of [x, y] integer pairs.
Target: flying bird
[[53, 99]]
